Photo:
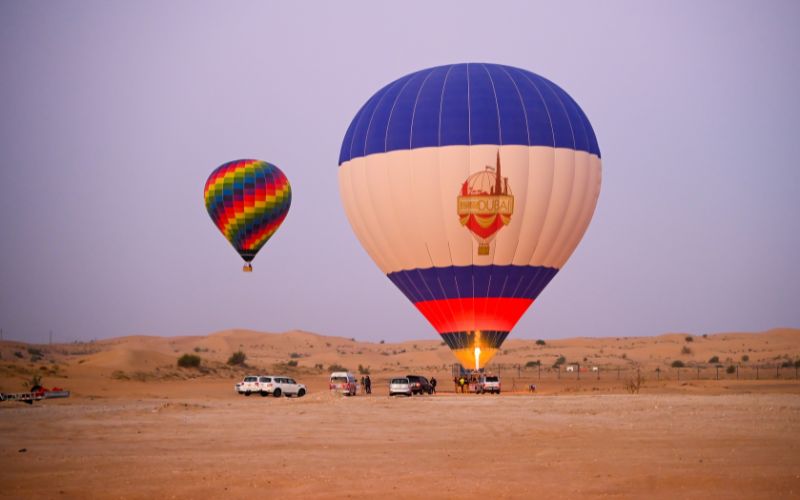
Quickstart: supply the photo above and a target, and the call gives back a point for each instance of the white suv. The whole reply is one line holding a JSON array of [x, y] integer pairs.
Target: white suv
[[489, 383], [249, 385], [267, 385], [279, 385]]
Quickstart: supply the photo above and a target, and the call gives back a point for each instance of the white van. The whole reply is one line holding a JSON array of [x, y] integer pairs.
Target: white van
[[344, 382]]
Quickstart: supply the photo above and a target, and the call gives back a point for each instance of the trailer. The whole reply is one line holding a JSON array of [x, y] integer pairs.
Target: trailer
[[37, 394]]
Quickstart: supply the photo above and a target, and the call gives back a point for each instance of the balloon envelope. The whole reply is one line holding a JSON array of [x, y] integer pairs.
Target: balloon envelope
[[470, 185], [247, 200]]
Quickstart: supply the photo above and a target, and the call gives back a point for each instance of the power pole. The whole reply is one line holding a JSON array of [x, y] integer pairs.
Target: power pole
[[51, 337]]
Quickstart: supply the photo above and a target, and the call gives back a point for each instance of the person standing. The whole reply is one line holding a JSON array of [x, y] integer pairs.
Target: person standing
[[368, 385], [433, 385], [363, 384]]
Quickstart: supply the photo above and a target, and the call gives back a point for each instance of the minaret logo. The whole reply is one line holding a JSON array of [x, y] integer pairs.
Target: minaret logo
[[485, 205]]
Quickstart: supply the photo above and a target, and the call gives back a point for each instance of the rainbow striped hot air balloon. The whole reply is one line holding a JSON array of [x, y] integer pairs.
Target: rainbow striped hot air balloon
[[470, 185], [248, 200]]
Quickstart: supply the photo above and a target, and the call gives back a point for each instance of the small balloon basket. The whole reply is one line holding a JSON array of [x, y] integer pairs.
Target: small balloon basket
[[248, 268]]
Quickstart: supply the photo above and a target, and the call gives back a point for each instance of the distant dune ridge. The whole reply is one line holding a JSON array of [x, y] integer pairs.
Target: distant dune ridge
[[145, 358]]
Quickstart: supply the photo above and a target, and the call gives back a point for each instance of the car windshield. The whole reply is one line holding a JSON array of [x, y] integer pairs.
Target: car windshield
[[399, 380], [250, 379], [265, 379], [338, 379], [492, 379]]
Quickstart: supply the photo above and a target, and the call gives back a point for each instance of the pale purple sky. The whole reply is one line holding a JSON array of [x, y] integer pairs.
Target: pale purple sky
[[113, 113]]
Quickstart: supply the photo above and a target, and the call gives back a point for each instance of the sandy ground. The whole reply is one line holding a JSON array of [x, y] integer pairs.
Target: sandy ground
[[442, 446], [137, 426]]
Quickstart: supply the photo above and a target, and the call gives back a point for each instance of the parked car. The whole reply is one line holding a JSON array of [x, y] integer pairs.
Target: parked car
[[279, 385], [248, 385], [344, 382], [489, 383], [419, 384], [400, 386]]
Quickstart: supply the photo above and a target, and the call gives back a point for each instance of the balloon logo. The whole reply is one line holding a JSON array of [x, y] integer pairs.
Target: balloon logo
[[485, 205], [247, 200], [470, 185]]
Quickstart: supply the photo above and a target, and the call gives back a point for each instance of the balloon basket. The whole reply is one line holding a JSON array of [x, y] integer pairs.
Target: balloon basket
[[483, 249], [247, 268]]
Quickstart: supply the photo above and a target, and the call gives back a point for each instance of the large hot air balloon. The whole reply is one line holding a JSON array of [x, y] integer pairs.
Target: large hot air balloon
[[470, 185], [247, 200]]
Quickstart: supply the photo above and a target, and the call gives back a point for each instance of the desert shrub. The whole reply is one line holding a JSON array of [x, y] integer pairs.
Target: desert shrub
[[745, 358], [686, 350], [787, 364], [713, 359], [363, 370], [119, 375], [336, 367], [633, 385], [678, 364], [705, 335], [533, 364], [797, 364], [291, 362], [383, 342], [295, 355], [624, 355], [689, 338], [201, 349], [237, 359], [560, 361], [33, 351], [540, 342], [18, 354], [730, 369], [319, 366], [189, 361]]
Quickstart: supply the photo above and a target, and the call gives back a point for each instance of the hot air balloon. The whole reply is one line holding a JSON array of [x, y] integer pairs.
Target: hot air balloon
[[247, 200], [470, 185]]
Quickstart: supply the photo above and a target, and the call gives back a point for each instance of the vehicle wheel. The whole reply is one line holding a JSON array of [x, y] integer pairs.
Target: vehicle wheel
[[301, 393], [264, 394], [276, 393], [247, 393], [498, 392]]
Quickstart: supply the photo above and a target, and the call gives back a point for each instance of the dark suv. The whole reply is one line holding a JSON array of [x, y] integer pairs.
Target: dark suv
[[419, 384]]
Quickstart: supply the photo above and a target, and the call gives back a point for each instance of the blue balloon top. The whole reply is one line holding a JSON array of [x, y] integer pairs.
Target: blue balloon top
[[467, 104]]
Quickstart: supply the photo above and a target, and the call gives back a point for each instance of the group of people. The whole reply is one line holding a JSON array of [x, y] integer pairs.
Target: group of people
[[464, 382], [366, 384]]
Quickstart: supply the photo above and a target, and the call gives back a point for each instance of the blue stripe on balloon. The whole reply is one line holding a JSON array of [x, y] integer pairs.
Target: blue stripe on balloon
[[467, 104], [454, 282]]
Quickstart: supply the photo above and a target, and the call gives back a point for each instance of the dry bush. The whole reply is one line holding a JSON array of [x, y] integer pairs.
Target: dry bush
[[633, 385], [189, 361], [237, 359]]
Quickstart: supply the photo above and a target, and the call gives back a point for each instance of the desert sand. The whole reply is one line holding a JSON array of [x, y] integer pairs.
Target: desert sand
[[138, 426]]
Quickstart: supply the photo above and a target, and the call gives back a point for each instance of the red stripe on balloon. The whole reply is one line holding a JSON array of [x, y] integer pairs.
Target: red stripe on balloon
[[479, 313]]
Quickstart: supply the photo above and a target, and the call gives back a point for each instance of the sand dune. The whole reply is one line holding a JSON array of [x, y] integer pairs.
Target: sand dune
[[109, 363]]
